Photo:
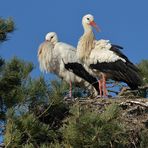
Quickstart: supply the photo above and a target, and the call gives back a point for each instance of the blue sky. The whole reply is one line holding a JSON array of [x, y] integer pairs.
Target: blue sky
[[122, 22]]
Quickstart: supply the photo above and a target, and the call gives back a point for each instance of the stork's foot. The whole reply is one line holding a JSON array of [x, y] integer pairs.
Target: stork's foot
[[107, 96], [98, 97], [69, 98], [103, 97]]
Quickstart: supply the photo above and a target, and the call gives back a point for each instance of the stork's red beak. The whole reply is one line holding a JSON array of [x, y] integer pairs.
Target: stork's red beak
[[93, 24]]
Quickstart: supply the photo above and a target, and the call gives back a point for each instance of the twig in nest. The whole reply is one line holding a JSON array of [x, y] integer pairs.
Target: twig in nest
[[137, 103]]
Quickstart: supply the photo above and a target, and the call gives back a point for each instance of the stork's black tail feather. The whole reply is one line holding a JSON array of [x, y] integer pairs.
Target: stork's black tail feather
[[120, 71], [130, 72], [133, 76]]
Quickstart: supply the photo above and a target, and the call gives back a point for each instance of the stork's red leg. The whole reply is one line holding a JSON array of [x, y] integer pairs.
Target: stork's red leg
[[100, 87], [104, 86], [70, 89]]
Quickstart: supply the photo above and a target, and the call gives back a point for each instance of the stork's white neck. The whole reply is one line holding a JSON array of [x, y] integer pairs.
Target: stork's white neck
[[55, 42], [87, 28], [86, 43]]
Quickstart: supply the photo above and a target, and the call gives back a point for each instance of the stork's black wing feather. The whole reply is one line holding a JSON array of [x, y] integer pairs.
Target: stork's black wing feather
[[119, 71], [115, 49], [80, 71], [118, 52], [117, 46]]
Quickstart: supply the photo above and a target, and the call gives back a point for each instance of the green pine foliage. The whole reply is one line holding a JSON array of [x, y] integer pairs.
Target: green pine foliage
[[88, 128], [6, 26], [26, 129], [57, 90], [36, 115], [143, 66], [1, 63], [144, 139], [33, 109], [14, 75]]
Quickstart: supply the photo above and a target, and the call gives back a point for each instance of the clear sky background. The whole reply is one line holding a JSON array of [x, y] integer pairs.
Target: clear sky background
[[122, 22]]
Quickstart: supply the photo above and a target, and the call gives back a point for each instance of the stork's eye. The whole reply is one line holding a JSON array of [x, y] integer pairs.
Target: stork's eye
[[87, 18], [52, 37]]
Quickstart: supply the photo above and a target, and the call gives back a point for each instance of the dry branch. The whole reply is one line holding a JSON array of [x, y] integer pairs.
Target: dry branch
[[145, 104]]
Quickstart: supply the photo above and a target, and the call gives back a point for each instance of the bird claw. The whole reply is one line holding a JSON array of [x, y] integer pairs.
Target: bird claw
[[103, 97], [68, 98], [98, 97]]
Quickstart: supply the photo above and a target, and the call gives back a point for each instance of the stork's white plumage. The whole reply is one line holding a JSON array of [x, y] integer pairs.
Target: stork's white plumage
[[54, 57], [104, 59]]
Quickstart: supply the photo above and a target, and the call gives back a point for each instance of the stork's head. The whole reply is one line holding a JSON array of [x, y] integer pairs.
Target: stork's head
[[88, 21], [51, 37]]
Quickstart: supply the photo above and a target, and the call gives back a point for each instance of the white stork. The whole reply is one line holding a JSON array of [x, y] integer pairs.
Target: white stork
[[104, 59], [55, 57]]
